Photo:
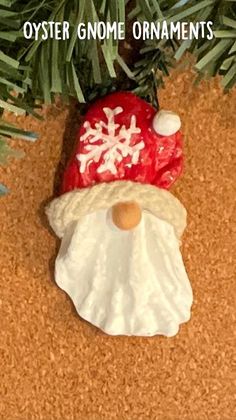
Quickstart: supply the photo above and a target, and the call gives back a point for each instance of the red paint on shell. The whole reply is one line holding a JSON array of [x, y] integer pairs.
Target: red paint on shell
[[160, 161]]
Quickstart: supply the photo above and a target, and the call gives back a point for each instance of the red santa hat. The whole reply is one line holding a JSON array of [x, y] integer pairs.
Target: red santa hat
[[125, 151]]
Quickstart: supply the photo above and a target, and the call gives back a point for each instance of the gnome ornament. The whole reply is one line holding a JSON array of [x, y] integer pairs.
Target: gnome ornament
[[119, 259]]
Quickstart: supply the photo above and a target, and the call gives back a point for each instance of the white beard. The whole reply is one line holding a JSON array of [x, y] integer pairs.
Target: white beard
[[125, 282]]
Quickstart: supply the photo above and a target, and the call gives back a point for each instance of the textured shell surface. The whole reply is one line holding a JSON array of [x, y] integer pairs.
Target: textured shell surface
[[125, 282]]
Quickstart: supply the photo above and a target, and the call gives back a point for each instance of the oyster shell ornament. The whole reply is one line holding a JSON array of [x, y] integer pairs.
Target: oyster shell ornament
[[120, 227]]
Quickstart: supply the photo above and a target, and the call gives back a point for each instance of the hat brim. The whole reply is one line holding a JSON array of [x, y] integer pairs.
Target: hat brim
[[75, 204]]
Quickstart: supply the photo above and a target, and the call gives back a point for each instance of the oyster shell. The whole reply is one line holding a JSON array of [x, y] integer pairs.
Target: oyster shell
[[125, 282]]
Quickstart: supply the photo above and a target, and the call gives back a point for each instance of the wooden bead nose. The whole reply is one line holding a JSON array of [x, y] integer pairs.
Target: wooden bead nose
[[126, 215]]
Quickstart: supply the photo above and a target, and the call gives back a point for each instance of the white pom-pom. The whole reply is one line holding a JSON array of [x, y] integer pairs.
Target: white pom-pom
[[166, 123]]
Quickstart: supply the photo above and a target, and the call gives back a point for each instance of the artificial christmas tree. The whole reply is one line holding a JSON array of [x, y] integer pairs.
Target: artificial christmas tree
[[35, 72]]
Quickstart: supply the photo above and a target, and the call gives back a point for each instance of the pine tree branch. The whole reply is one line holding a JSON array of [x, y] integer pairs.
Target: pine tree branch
[[3, 190], [37, 71]]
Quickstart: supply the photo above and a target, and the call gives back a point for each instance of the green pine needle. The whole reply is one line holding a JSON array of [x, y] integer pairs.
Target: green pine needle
[[3, 190], [37, 71]]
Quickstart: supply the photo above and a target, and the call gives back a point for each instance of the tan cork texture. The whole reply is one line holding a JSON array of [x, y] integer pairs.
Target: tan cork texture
[[53, 365]]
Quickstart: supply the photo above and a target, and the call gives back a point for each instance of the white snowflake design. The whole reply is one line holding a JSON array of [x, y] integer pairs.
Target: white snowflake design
[[116, 143]]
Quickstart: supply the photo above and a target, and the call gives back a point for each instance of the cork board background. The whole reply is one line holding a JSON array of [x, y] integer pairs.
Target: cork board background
[[53, 365]]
